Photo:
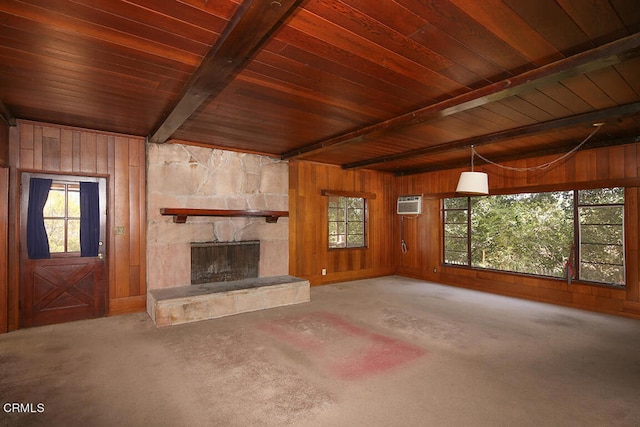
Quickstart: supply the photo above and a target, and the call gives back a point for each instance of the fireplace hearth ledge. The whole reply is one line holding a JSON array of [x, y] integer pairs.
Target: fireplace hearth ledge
[[192, 303]]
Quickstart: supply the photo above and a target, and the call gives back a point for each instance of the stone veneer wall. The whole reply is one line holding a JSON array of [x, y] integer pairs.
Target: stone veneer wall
[[182, 176]]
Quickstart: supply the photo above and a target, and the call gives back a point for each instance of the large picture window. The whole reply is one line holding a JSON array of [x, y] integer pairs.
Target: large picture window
[[538, 233]]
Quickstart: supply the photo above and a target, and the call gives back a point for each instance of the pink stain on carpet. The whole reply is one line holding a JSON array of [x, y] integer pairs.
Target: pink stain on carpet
[[346, 351]]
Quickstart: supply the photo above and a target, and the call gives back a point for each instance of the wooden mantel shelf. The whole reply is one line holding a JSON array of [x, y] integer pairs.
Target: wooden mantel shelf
[[180, 214]]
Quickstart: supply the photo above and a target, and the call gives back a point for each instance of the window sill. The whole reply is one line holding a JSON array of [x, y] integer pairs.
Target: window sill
[[535, 276], [349, 248]]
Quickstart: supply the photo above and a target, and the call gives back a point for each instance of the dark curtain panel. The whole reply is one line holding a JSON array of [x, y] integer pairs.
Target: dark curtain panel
[[89, 219], [37, 240]]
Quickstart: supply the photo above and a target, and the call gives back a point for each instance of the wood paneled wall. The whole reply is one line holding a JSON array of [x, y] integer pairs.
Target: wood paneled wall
[[4, 221], [4, 253], [614, 166], [39, 147], [309, 250], [4, 143]]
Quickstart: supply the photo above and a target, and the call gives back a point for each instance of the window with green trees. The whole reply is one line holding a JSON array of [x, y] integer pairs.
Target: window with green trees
[[347, 222], [62, 217], [539, 233]]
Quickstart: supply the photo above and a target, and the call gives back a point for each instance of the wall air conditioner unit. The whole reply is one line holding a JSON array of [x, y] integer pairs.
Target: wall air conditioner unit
[[409, 205]]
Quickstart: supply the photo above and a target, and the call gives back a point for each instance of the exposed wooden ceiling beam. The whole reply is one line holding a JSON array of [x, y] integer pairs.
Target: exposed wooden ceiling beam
[[251, 26], [561, 148], [591, 117], [594, 59]]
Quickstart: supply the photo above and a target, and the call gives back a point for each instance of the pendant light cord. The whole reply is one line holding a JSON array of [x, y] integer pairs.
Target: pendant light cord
[[540, 167]]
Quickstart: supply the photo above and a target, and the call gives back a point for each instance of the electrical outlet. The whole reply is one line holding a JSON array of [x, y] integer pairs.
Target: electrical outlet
[[324, 271]]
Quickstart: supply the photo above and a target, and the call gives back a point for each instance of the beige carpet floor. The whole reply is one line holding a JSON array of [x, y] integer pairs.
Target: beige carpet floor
[[390, 351]]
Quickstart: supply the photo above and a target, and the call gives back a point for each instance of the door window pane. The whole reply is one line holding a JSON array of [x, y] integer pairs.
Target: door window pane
[[73, 235], [62, 217], [55, 233], [55, 206]]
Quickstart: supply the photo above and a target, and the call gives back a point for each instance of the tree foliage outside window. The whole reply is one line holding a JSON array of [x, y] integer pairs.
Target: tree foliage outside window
[[456, 231], [524, 233], [62, 217], [347, 222], [534, 233], [601, 219]]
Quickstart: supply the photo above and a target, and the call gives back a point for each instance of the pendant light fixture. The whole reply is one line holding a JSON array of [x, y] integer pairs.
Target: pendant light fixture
[[477, 183], [473, 183]]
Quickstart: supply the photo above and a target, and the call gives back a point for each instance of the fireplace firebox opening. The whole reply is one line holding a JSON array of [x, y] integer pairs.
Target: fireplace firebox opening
[[224, 261]]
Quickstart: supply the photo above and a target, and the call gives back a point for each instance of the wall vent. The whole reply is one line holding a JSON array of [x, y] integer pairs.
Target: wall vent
[[409, 205]]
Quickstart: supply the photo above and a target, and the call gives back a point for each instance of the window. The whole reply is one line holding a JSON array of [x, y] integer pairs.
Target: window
[[535, 233], [601, 220], [62, 217], [347, 222], [456, 231]]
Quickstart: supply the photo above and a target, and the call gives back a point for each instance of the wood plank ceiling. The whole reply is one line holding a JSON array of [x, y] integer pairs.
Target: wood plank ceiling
[[395, 85]]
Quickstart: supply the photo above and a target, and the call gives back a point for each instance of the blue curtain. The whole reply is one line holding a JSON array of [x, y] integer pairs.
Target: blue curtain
[[37, 240], [89, 219]]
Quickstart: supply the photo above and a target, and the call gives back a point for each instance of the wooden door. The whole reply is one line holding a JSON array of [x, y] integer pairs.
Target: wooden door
[[66, 286]]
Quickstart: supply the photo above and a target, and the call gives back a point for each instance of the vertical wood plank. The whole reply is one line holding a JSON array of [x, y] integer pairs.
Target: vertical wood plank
[[134, 280], [632, 242], [570, 169], [51, 132], [25, 144], [616, 167], [134, 220], [4, 247], [582, 166], [88, 149], [51, 153], [37, 147], [113, 259], [121, 217], [66, 150], [13, 291], [135, 153], [26, 136], [13, 245], [630, 161], [51, 148], [293, 215], [142, 218], [102, 154], [76, 152], [602, 165]]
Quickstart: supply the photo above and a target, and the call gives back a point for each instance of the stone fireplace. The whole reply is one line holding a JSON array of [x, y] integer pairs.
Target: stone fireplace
[[223, 248], [183, 176]]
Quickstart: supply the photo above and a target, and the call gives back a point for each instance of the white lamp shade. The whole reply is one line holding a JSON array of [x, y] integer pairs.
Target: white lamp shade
[[473, 183]]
